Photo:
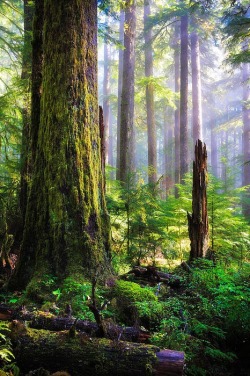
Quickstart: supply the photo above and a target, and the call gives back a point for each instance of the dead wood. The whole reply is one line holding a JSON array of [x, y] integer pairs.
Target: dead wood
[[84, 355], [152, 275]]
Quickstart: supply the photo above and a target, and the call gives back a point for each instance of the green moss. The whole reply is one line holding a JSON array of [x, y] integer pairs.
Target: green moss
[[133, 293], [128, 296], [83, 355]]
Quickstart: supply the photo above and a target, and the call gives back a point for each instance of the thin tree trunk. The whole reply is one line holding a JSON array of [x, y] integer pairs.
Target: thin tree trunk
[[26, 76], [196, 87], [184, 99], [127, 135], [111, 143], [151, 126], [198, 221], [106, 101], [168, 153], [177, 103], [246, 137], [214, 149], [120, 75]]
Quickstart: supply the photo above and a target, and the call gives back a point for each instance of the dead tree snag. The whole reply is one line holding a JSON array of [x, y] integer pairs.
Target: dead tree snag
[[198, 221]]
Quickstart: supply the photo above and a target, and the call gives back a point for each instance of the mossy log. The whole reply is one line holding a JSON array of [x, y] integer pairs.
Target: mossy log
[[48, 321], [79, 354]]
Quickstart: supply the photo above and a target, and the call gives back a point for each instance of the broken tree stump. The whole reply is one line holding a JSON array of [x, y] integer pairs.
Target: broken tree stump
[[198, 221], [83, 355]]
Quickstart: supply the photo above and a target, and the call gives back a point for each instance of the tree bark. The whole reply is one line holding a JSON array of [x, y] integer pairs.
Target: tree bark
[[151, 126], [66, 228], [83, 355], [198, 221], [184, 99], [127, 136]]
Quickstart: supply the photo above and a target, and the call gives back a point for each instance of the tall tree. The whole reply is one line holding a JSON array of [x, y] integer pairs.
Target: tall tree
[[106, 94], [177, 104], [196, 83], [184, 98], [246, 135], [151, 126], [127, 136], [66, 227], [120, 75], [26, 76]]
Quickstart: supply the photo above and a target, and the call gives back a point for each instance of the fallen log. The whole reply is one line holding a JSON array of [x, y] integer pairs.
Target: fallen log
[[48, 321], [152, 275], [82, 355]]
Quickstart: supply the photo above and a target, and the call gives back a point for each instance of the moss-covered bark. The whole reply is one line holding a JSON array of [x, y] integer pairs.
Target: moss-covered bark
[[66, 228], [83, 355]]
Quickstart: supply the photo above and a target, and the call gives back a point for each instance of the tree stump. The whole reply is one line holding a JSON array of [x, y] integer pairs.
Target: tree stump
[[198, 221]]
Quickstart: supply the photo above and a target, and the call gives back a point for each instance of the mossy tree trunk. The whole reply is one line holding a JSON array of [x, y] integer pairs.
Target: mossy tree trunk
[[66, 225], [198, 221]]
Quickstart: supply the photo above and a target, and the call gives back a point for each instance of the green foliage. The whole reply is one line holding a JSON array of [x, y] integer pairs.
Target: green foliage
[[6, 354], [202, 320], [138, 225], [236, 28]]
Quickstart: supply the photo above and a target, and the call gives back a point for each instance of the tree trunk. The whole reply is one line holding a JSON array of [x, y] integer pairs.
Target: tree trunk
[[127, 136], [168, 152], [26, 76], [120, 75], [79, 354], [106, 100], [214, 149], [177, 103], [196, 86], [66, 229], [151, 126], [184, 99], [198, 221], [246, 137]]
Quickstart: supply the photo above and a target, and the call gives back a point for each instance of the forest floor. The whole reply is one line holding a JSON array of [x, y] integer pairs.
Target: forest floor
[[204, 313]]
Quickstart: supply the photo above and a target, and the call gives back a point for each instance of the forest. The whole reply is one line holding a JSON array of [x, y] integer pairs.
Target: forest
[[124, 187]]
